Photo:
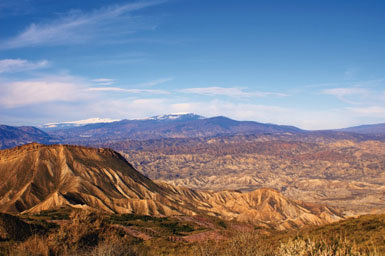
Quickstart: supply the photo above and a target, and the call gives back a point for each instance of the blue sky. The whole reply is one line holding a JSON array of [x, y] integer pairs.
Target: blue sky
[[312, 64]]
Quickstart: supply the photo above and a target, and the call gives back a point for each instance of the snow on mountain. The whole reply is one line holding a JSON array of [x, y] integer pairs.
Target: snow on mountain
[[79, 123], [166, 117]]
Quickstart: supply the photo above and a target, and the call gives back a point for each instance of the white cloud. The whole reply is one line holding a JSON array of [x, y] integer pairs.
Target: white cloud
[[78, 26], [128, 108], [369, 97], [365, 102], [36, 91], [58, 89], [350, 95], [370, 111], [154, 82], [104, 81], [238, 111], [341, 92], [228, 91], [19, 65], [211, 91], [118, 89], [63, 97], [351, 73]]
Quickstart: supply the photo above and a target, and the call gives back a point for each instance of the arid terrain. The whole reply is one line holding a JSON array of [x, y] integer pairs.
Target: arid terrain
[[278, 191], [67, 200], [343, 169], [348, 174], [35, 177]]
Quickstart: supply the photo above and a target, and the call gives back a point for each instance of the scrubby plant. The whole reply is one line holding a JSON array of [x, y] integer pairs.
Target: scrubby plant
[[335, 246], [34, 245], [249, 243], [240, 244]]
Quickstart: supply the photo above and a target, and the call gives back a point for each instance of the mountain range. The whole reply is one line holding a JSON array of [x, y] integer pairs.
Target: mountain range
[[166, 126], [96, 130]]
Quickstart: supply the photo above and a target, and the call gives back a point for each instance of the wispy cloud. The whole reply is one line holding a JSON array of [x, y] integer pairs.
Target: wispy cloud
[[352, 95], [228, 91], [15, 7], [19, 65], [366, 102], [210, 91], [369, 111], [154, 82], [78, 26], [118, 89], [104, 81], [341, 92], [56, 89], [350, 73], [350, 84], [107, 81]]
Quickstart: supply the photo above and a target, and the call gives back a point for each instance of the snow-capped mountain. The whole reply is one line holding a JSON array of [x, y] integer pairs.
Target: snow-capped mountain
[[79, 123], [70, 124]]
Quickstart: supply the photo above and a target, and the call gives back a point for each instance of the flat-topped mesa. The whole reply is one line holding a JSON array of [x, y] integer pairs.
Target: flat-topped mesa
[[38, 177], [37, 146]]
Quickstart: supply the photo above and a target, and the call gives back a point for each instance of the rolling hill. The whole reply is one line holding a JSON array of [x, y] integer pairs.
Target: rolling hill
[[11, 136], [366, 129]]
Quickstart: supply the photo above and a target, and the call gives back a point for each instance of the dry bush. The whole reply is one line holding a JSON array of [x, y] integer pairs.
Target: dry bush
[[85, 234], [247, 244], [82, 233], [34, 245], [335, 246], [114, 245], [79, 235], [240, 244], [13, 228]]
